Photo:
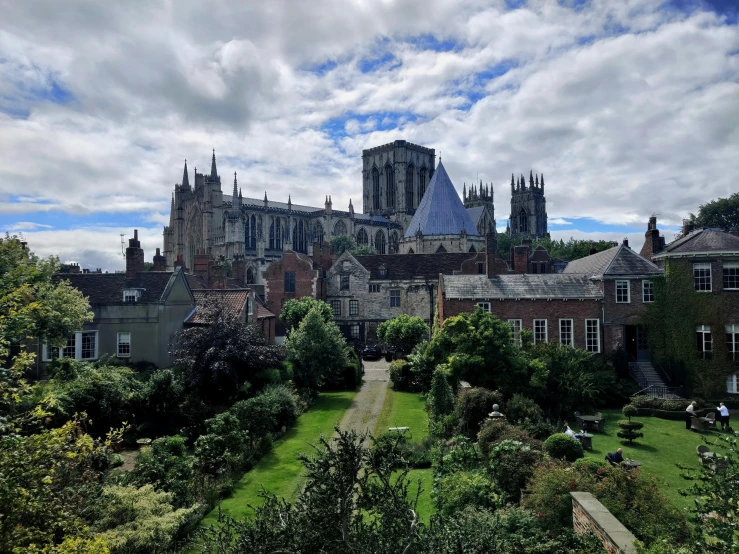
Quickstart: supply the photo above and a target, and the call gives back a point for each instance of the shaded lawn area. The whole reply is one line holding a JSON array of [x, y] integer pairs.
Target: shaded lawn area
[[665, 444], [407, 409], [280, 472]]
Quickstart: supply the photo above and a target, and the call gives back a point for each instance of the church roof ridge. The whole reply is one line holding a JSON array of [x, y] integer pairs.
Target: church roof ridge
[[441, 211]]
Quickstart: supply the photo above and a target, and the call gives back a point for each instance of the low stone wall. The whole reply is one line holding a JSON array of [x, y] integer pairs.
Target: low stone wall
[[590, 516]]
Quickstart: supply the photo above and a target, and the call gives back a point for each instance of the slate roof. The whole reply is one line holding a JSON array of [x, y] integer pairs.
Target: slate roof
[[107, 288], [619, 260], [702, 240], [441, 211], [197, 282], [475, 213], [256, 203], [233, 302], [414, 265], [549, 285]]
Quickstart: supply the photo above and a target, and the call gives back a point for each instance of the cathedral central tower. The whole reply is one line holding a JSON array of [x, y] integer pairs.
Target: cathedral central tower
[[528, 208]]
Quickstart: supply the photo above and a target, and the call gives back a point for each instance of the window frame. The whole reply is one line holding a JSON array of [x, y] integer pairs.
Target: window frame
[[546, 330], [732, 383], [374, 288], [344, 281], [516, 326], [336, 307], [698, 266], [589, 331], [289, 280], [732, 341], [353, 307], [571, 332], [724, 279], [131, 296], [485, 306], [76, 338], [645, 294], [481, 268], [119, 344], [394, 295], [628, 291], [702, 331], [352, 328]]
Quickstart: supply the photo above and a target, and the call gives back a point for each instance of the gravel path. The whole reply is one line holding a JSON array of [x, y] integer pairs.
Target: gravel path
[[363, 413]]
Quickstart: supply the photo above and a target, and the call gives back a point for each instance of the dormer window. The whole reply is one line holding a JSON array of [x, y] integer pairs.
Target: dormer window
[[382, 272], [131, 296]]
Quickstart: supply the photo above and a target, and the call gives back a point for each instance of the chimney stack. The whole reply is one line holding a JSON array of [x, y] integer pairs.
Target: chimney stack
[[491, 251], [134, 256], [626, 242], [160, 262]]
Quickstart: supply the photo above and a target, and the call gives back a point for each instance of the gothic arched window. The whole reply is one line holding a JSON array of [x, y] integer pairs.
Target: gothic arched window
[[422, 176], [318, 232], [275, 235], [375, 188], [394, 242], [253, 233], [523, 222], [409, 187], [390, 190], [340, 228], [362, 237], [250, 276], [380, 244], [299, 237]]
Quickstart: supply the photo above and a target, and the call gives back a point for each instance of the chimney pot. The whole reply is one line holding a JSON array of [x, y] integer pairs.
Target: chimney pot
[[626, 242]]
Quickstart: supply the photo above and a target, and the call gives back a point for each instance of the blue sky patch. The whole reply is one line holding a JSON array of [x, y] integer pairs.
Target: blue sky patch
[[430, 42]]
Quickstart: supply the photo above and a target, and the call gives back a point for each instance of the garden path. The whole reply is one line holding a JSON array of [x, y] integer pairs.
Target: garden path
[[365, 410]]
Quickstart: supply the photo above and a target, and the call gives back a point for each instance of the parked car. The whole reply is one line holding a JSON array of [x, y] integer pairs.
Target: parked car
[[371, 352]]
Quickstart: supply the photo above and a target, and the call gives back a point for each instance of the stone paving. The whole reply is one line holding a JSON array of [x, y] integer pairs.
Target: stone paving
[[363, 413]]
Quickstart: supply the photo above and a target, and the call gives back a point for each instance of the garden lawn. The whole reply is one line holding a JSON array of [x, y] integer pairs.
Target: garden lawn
[[408, 409], [280, 472], [665, 444]]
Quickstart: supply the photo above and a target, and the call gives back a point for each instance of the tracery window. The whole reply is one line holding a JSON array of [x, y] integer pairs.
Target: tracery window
[[380, 244], [275, 235], [362, 237], [318, 232], [375, 188], [390, 180], [340, 228], [299, 242], [409, 187], [394, 242], [253, 233], [422, 177], [523, 221]]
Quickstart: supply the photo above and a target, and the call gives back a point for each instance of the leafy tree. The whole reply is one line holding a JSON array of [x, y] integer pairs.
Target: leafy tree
[[165, 465], [317, 350], [722, 213], [440, 401], [340, 243], [403, 332], [295, 310], [221, 357], [363, 250], [573, 249], [223, 448]]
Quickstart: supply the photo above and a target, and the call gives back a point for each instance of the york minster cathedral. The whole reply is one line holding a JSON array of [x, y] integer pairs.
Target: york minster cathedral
[[396, 216]]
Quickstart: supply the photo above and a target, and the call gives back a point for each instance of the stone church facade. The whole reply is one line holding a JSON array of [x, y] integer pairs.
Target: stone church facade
[[528, 208]]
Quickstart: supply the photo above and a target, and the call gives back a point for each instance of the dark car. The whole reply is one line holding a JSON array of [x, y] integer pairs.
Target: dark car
[[371, 353]]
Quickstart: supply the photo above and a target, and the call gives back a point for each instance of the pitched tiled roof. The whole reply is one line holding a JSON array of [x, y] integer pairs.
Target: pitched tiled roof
[[702, 240], [475, 213], [619, 260], [550, 285], [441, 211], [233, 302], [408, 266], [107, 288]]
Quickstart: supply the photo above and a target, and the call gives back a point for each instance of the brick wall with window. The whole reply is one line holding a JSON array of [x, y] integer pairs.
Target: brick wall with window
[[292, 276], [528, 310]]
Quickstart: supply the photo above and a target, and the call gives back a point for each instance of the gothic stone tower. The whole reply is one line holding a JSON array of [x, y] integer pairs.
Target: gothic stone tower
[[528, 207], [394, 179]]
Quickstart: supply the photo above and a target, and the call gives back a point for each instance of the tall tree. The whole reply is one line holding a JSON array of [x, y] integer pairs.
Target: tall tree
[[295, 310], [403, 332], [340, 243], [722, 213]]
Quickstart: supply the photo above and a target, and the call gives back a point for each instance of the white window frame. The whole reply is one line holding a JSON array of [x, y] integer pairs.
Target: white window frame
[[516, 325], [621, 282], [354, 327], [131, 296], [546, 330], [732, 341], [120, 343], [354, 307], [732, 383], [734, 266], [647, 284], [336, 307], [485, 306], [702, 267], [249, 307], [590, 334], [703, 330], [46, 351], [374, 287], [571, 341]]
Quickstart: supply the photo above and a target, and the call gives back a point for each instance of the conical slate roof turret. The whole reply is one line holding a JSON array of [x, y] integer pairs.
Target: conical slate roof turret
[[441, 212]]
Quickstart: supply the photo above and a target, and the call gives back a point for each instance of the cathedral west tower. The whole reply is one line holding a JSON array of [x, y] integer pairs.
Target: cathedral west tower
[[528, 208]]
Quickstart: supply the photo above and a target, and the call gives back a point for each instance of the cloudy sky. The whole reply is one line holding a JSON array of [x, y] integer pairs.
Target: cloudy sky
[[628, 107]]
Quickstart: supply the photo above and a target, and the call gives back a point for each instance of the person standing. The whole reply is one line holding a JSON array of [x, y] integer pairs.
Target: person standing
[[724, 414], [690, 412]]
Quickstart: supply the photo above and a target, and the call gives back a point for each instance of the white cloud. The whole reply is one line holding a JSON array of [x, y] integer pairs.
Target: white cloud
[[559, 221], [626, 107], [26, 226]]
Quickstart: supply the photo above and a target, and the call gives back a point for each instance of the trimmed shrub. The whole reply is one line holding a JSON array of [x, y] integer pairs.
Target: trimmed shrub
[[493, 432], [401, 375], [540, 430], [630, 429], [562, 446], [471, 409], [453, 493], [520, 408]]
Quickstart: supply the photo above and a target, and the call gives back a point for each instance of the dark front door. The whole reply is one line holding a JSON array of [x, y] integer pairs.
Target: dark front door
[[642, 350], [630, 341]]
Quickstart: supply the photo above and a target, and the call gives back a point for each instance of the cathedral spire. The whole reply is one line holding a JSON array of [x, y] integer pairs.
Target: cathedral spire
[[531, 178], [542, 182], [464, 192], [236, 192], [185, 179], [513, 184], [289, 202], [523, 182], [213, 172], [536, 180]]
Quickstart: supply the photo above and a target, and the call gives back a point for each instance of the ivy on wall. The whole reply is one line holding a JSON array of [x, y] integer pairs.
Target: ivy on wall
[[671, 322]]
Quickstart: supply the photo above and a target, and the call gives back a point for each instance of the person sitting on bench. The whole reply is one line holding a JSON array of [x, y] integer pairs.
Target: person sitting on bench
[[615, 458]]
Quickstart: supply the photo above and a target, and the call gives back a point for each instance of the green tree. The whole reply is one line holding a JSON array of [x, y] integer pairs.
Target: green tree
[[722, 213], [317, 350], [403, 332], [295, 310], [441, 396], [340, 243], [363, 250]]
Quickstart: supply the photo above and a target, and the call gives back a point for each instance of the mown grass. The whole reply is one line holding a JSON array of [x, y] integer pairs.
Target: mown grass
[[280, 472], [664, 445], [407, 409]]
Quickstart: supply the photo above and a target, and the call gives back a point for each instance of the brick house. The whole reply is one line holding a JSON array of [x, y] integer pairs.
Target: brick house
[[710, 258]]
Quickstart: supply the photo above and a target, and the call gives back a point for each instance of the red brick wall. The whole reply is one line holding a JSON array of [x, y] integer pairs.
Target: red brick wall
[[623, 314], [529, 310], [520, 258], [274, 276]]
